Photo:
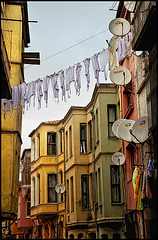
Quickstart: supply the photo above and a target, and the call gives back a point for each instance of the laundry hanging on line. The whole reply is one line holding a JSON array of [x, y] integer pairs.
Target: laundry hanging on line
[[102, 61]]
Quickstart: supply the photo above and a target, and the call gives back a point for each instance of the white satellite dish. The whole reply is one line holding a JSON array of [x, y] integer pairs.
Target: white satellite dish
[[130, 5], [21, 167], [124, 130], [118, 158], [60, 188], [120, 75], [119, 27], [138, 53], [115, 127], [113, 40], [140, 130]]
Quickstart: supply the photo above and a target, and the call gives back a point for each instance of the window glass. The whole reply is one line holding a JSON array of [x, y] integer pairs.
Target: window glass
[[52, 181], [111, 119], [85, 192], [83, 143], [51, 143], [115, 185]]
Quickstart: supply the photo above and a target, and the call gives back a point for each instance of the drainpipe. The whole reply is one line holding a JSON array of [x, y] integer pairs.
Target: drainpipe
[[63, 129], [57, 182], [94, 182]]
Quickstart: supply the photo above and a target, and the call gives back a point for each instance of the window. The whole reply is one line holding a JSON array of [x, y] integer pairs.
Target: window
[[51, 143], [66, 149], [61, 144], [97, 126], [83, 143], [33, 150], [104, 236], [33, 191], [99, 187], [38, 138], [61, 181], [19, 206], [71, 236], [72, 194], [111, 119], [39, 189], [91, 189], [129, 96], [70, 141], [85, 192], [67, 195], [115, 185], [80, 236], [28, 205], [90, 135], [52, 182]]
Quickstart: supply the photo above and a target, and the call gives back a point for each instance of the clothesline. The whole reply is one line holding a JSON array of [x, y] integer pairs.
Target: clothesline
[[102, 61]]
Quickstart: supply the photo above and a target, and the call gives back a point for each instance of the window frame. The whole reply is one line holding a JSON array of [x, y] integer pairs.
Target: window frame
[[109, 122], [53, 188], [33, 150], [83, 125], [28, 201], [52, 144], [19, 206], [115, 185], [83, 177]]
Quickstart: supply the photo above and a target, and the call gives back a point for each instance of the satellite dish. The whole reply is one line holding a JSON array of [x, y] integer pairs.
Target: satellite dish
[[113, 40], [120, 75], [119, 27], [21, 167], [130, 5], [138, 53], [123, 130], [60, 188], [140, 130], [118, 158], [115, 127]]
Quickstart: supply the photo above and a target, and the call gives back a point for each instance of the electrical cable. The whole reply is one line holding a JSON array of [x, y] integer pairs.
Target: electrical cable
[[68, 48]]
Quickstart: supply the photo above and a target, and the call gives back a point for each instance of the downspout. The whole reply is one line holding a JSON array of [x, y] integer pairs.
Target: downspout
[[94, 182], [57, 182], [63, 129]]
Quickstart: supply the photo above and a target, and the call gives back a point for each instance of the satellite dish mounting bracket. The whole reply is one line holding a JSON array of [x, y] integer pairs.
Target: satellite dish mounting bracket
[[128, 89]]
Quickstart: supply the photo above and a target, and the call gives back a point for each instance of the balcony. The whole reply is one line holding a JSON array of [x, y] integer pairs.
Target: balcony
[[5, 71], [145, 25]]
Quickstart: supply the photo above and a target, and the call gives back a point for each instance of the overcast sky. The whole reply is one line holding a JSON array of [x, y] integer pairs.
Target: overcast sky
[[61, 25]]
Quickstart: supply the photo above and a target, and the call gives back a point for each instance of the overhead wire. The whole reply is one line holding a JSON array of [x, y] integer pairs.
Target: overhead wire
[[68, 48]]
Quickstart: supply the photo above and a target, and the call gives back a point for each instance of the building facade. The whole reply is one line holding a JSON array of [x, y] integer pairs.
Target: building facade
[[77, 151], [141, 102], [23, 226], [16, 38], [47, 169], [93, 205]]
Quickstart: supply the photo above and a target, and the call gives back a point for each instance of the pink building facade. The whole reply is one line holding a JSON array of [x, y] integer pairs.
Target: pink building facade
[[24, 221], [134, 216]]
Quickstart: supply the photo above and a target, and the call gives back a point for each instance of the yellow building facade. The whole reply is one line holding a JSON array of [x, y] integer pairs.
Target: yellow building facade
[[47, 169], [77, 151], [15, 37]]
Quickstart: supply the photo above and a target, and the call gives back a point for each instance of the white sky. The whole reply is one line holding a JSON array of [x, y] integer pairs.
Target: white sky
[[62, 24]]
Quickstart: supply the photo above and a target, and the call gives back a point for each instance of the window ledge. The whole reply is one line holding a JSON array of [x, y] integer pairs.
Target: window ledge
[[116, 203]]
